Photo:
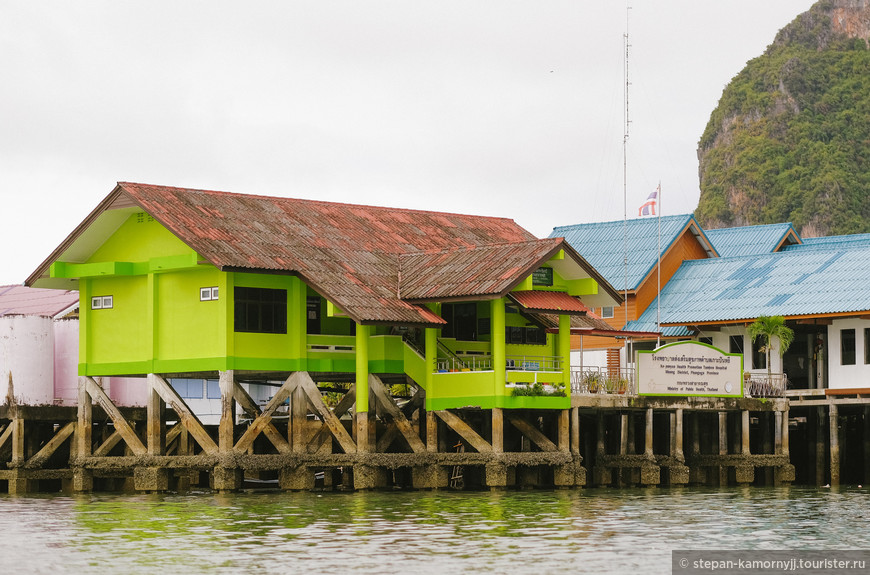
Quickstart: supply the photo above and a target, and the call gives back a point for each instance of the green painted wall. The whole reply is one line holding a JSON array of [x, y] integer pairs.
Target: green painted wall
[[138, 239]]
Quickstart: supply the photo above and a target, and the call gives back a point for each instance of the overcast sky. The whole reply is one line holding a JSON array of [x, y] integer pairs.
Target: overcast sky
[[498, 108]]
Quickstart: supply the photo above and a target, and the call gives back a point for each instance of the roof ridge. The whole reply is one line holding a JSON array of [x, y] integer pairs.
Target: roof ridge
[[326, 202], [650, 219], [470, 248]]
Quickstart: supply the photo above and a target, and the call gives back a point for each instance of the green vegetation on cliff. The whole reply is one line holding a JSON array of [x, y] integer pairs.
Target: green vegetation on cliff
[[790, 138]]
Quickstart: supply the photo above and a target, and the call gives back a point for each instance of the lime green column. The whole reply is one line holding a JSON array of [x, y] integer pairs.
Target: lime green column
[[430, 349], [362, 367], [84, 320], [361, 425], [565, 349], [497, 325], [226, 319], [151, 328], [297, 323]]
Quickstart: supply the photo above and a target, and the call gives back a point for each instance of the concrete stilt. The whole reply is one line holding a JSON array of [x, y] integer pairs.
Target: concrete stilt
[[497, 430], [575, 431], [834, 430], [601, 475], [432, 432], [678, 474], [723, 446], [744, 432], [298, 478], [650, 473], [820, 446]]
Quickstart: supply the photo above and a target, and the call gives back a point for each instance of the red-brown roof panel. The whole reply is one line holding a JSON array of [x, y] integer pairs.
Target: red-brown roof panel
[[549, 302], [487, 270], [314, 238]]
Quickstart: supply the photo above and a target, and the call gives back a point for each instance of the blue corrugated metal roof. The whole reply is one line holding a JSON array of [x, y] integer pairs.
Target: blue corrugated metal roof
[[794, 282], [604, 245], [749, 240], [647, 322], [832, 242]]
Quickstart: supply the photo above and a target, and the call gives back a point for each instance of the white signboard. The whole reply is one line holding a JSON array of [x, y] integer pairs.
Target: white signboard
[[689, 368]]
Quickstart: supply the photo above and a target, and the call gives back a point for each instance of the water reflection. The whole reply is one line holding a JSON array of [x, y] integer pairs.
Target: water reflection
[[609, 531]]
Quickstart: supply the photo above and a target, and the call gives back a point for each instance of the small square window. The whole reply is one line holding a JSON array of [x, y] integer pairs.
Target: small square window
[[607, 312], [107, 302], [208, 294], [96, 303]]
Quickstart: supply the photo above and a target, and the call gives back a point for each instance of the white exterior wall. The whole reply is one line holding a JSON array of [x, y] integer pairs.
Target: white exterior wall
[[27, 354], [847, 376], [722, 340], [589, 358]]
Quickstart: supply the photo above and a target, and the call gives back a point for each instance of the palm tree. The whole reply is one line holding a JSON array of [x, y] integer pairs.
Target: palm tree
[[768, 327]]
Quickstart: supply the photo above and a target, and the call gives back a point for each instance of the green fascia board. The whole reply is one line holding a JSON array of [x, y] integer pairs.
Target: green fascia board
[[549, 377], [504, 402], [127, 368], [99, 269]]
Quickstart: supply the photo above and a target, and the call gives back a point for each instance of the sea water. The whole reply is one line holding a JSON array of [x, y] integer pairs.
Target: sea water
[[572, 531]]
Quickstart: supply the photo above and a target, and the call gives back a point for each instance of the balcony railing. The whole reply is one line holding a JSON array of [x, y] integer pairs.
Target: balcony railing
[[764, 385], [512, 363], [592, 380]]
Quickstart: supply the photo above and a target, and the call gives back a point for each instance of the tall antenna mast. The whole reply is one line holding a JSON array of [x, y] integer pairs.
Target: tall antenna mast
[[626, 123]]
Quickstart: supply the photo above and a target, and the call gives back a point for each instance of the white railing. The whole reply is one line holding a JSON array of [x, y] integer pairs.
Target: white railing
[[764, 385], [592, 380], [512, 363]]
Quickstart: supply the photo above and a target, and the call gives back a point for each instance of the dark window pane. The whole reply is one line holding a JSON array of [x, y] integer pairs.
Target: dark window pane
[[847, 347], [260, 310]]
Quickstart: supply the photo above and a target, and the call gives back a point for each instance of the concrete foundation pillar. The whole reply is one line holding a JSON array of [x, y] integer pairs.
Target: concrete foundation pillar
[[20, 482], [783, 474], [369, 477], [152, 479], [226, 479], [82, 480], [744, 474], [496, 476], [296, 479], [650, 474]]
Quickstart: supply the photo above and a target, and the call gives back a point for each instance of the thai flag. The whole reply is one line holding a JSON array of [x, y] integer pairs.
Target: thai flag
[[648, 208]]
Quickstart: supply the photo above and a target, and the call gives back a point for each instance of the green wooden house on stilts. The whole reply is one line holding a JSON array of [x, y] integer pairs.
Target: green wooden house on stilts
[[472, 314]]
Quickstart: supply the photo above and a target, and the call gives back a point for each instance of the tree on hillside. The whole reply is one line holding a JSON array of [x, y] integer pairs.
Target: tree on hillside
[[767, 328]]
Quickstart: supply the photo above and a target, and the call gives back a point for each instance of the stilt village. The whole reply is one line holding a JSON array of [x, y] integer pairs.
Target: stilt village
[[185, 339]]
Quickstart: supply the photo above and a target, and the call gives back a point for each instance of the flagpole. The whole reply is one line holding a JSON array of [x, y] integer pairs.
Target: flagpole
[[625, 185], [659, 267]]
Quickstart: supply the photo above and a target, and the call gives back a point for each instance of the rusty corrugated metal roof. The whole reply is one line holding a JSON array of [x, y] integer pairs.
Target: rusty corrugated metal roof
[[549, 302], [349, 253], [489, 270], [22, 300], [578, 322]]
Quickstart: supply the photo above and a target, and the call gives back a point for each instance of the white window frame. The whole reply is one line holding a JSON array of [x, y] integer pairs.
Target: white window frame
[[604, 314]]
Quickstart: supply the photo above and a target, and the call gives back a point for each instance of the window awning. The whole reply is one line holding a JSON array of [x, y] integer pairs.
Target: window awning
[[556, 302]]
